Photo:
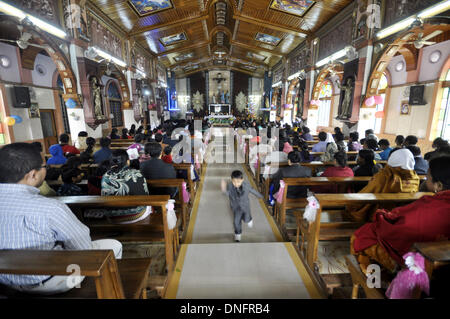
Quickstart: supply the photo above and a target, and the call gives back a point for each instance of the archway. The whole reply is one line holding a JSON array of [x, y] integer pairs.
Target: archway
[[399, 46], [58, 57], [115, 104], [317, 117]]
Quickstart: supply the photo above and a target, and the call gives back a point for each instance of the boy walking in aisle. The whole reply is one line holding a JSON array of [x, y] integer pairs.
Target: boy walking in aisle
[[238, 191]]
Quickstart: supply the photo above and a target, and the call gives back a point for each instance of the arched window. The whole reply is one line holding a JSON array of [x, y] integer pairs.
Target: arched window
[[443, 126], [115, 105], [382, 86], [326, 91]]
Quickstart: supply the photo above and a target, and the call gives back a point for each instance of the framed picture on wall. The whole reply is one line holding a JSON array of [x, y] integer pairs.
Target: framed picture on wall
[[33, 111], [405, 109]]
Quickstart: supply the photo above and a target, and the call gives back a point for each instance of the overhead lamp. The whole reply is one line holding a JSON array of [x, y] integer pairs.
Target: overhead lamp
[[143, 74], [12, 11], [435, 9], [395, 28], [15, 12], [332, 57], [295, 75], [426, 13], [108, 56], [277, 84]]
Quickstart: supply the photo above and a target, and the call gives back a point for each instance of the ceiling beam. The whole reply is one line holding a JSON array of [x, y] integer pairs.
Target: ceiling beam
[[270, 25], [184, 48], [251, 47], [220, 67], [168, 25]]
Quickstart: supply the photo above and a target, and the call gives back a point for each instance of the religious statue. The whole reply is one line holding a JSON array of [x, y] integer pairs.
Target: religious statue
[[97, 99], [346, 107], [214, 99], [222, 97], [227, 98]]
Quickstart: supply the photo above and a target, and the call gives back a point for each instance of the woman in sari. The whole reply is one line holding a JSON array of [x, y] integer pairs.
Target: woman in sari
[[398, 176], [391, 234], [121, 180]]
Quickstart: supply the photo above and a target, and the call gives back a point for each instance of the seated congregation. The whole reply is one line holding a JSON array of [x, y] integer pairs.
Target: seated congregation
[[384, 231], [58, 205]]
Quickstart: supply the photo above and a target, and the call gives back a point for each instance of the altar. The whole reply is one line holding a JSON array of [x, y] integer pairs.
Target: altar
[[220, 120], [219, 109]]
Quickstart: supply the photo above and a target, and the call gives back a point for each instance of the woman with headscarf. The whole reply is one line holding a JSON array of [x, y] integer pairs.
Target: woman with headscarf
[[391, 234], [398, 176]]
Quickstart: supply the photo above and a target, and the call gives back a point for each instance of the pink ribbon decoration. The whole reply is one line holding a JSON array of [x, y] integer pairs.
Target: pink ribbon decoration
[[287, 148], [279, 195], [402, 287], [186, 196]]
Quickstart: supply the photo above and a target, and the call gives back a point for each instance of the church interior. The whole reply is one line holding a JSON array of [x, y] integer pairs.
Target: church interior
[[332, 118]]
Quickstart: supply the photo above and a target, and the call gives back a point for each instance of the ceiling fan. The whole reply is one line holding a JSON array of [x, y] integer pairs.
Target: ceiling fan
[[23, 41], [421, 40]]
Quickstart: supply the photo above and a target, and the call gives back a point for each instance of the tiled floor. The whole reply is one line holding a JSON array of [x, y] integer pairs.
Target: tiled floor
[[240, 270], [215, 266]]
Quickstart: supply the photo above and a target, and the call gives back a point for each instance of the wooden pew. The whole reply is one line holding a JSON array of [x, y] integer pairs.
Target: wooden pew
[[341, 182], [155, 228], [311, 232], [179, 202], [106, 277], [192, 187]]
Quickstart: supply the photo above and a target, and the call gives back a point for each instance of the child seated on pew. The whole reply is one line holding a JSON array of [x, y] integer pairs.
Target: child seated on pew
[[167, 157], [94, 183], [70, 178]]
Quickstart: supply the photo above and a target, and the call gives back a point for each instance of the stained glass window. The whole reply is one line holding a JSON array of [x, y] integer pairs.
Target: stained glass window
[[326, 90], [383, 83]]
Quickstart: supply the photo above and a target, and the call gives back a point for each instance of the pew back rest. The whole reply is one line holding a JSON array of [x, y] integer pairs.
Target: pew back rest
[[100, 264], [333, 200], [130, 201]]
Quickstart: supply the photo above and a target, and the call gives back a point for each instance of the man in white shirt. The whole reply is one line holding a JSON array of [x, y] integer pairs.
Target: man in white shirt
[[31, 221]]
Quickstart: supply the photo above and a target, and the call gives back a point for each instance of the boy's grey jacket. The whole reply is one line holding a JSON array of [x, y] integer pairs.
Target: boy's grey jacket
[[239, 200]]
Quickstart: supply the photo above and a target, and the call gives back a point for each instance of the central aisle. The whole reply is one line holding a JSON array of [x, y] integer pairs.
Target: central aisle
[[212, 265]]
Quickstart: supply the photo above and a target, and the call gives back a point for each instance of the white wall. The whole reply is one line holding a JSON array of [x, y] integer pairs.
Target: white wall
[[313, 116], [334, 112], [128, 118], [30, 128], [397, 77], [431, 71], [11, 73], [417, 121], [47, 65]]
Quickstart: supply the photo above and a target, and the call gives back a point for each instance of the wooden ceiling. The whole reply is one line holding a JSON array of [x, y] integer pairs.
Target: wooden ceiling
[[219, 33]]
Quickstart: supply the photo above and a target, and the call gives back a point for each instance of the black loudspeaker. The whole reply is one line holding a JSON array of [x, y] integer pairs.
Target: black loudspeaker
[[416, 95], [21, 98]]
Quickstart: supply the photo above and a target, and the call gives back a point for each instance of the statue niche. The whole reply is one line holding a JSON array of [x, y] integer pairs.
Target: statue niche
[[346, 98], [96, 89]]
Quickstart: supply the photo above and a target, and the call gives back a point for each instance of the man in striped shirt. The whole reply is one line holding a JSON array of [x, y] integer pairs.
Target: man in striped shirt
[[31, 221]]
